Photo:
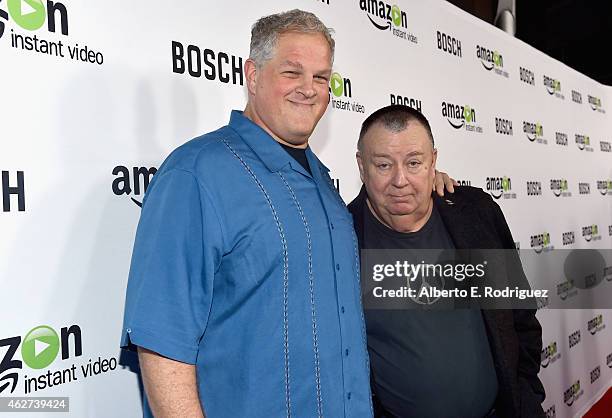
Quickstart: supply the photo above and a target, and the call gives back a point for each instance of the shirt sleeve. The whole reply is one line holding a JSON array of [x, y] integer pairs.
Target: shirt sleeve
[[176, 253]]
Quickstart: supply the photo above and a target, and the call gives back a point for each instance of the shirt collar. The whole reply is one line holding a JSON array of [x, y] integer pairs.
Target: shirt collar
[[267, 148], [318, 169], [263, 145]]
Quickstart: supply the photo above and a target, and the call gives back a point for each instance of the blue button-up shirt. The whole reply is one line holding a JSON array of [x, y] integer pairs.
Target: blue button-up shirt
[[247, 266]]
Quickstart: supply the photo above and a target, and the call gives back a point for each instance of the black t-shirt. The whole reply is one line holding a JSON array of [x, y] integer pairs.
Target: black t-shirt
[[299, 155], [427, 363]]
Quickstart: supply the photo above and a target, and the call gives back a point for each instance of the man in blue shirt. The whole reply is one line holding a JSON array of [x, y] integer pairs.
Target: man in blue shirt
[[243, 297]]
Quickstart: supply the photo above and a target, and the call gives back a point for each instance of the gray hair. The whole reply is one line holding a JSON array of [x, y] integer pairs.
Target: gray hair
[[265, 32]]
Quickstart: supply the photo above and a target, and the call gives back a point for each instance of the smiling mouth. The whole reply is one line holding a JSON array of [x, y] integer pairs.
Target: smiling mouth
[[302, 104]]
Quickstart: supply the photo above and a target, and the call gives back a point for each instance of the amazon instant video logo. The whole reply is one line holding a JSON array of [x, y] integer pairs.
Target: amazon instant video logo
[[491, 60], [36, 15], [38, 349], [341, 93], [541, 242], [560, 188], [550, 354], [461, 117], [386, 17], [499, 187], [573, 393], [595, 104], [583, 142], [553, 87], [591, 233], [534, 131]]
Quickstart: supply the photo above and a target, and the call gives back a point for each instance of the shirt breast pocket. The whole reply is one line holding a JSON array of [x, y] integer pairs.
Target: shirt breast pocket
[[256, 257]]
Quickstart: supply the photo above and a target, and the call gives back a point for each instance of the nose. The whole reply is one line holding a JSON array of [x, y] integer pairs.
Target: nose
[[399, 178], [306, 87]]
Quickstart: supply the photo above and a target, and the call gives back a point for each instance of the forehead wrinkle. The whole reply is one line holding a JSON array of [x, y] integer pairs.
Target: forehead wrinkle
[[387, 155]]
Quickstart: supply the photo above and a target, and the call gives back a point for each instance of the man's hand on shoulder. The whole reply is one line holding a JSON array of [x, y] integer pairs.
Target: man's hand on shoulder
[[443, 181]]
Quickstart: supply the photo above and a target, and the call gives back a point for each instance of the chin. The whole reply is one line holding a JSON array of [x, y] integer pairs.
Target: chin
[[301, 130], [294, 137], [304, 123], [400, 210]]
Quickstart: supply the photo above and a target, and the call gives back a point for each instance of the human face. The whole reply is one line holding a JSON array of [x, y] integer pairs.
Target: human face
[[398, 171], [289, 93]]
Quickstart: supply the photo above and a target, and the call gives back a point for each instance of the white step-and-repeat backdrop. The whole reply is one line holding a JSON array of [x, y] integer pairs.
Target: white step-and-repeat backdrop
[[94, 95]]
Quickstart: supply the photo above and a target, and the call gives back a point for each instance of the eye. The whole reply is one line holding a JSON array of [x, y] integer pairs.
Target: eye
[[414, 163], [321, 79], [291, 74], [383, 166]]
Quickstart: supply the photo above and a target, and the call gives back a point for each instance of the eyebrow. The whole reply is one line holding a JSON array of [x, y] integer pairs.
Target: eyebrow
[[298, 65], [293, 64]]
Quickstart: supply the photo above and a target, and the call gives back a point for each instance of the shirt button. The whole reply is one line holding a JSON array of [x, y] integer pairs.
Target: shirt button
[[338, 267], [346, 352], [332, 225], [342, 309], [348, 395]]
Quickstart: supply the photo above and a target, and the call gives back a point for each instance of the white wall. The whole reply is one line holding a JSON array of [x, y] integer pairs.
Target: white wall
[[68, 124]]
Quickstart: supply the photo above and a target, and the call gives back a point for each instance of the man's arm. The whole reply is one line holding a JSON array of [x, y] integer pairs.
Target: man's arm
[[179, 245], [170, 385], [529, 332]]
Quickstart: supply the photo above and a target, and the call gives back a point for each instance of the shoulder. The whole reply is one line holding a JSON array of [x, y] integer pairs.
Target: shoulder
[[468, 202], [357, 204], [467, 196], [469, 193], [202, 160], [473, 206], [199, 152]]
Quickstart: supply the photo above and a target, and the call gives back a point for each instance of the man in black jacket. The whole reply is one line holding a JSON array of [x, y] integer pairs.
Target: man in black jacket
[[438, 363]]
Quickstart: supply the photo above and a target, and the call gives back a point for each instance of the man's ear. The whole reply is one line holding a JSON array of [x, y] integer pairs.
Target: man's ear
[[360, 164], [434, 159], [250, 72]]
